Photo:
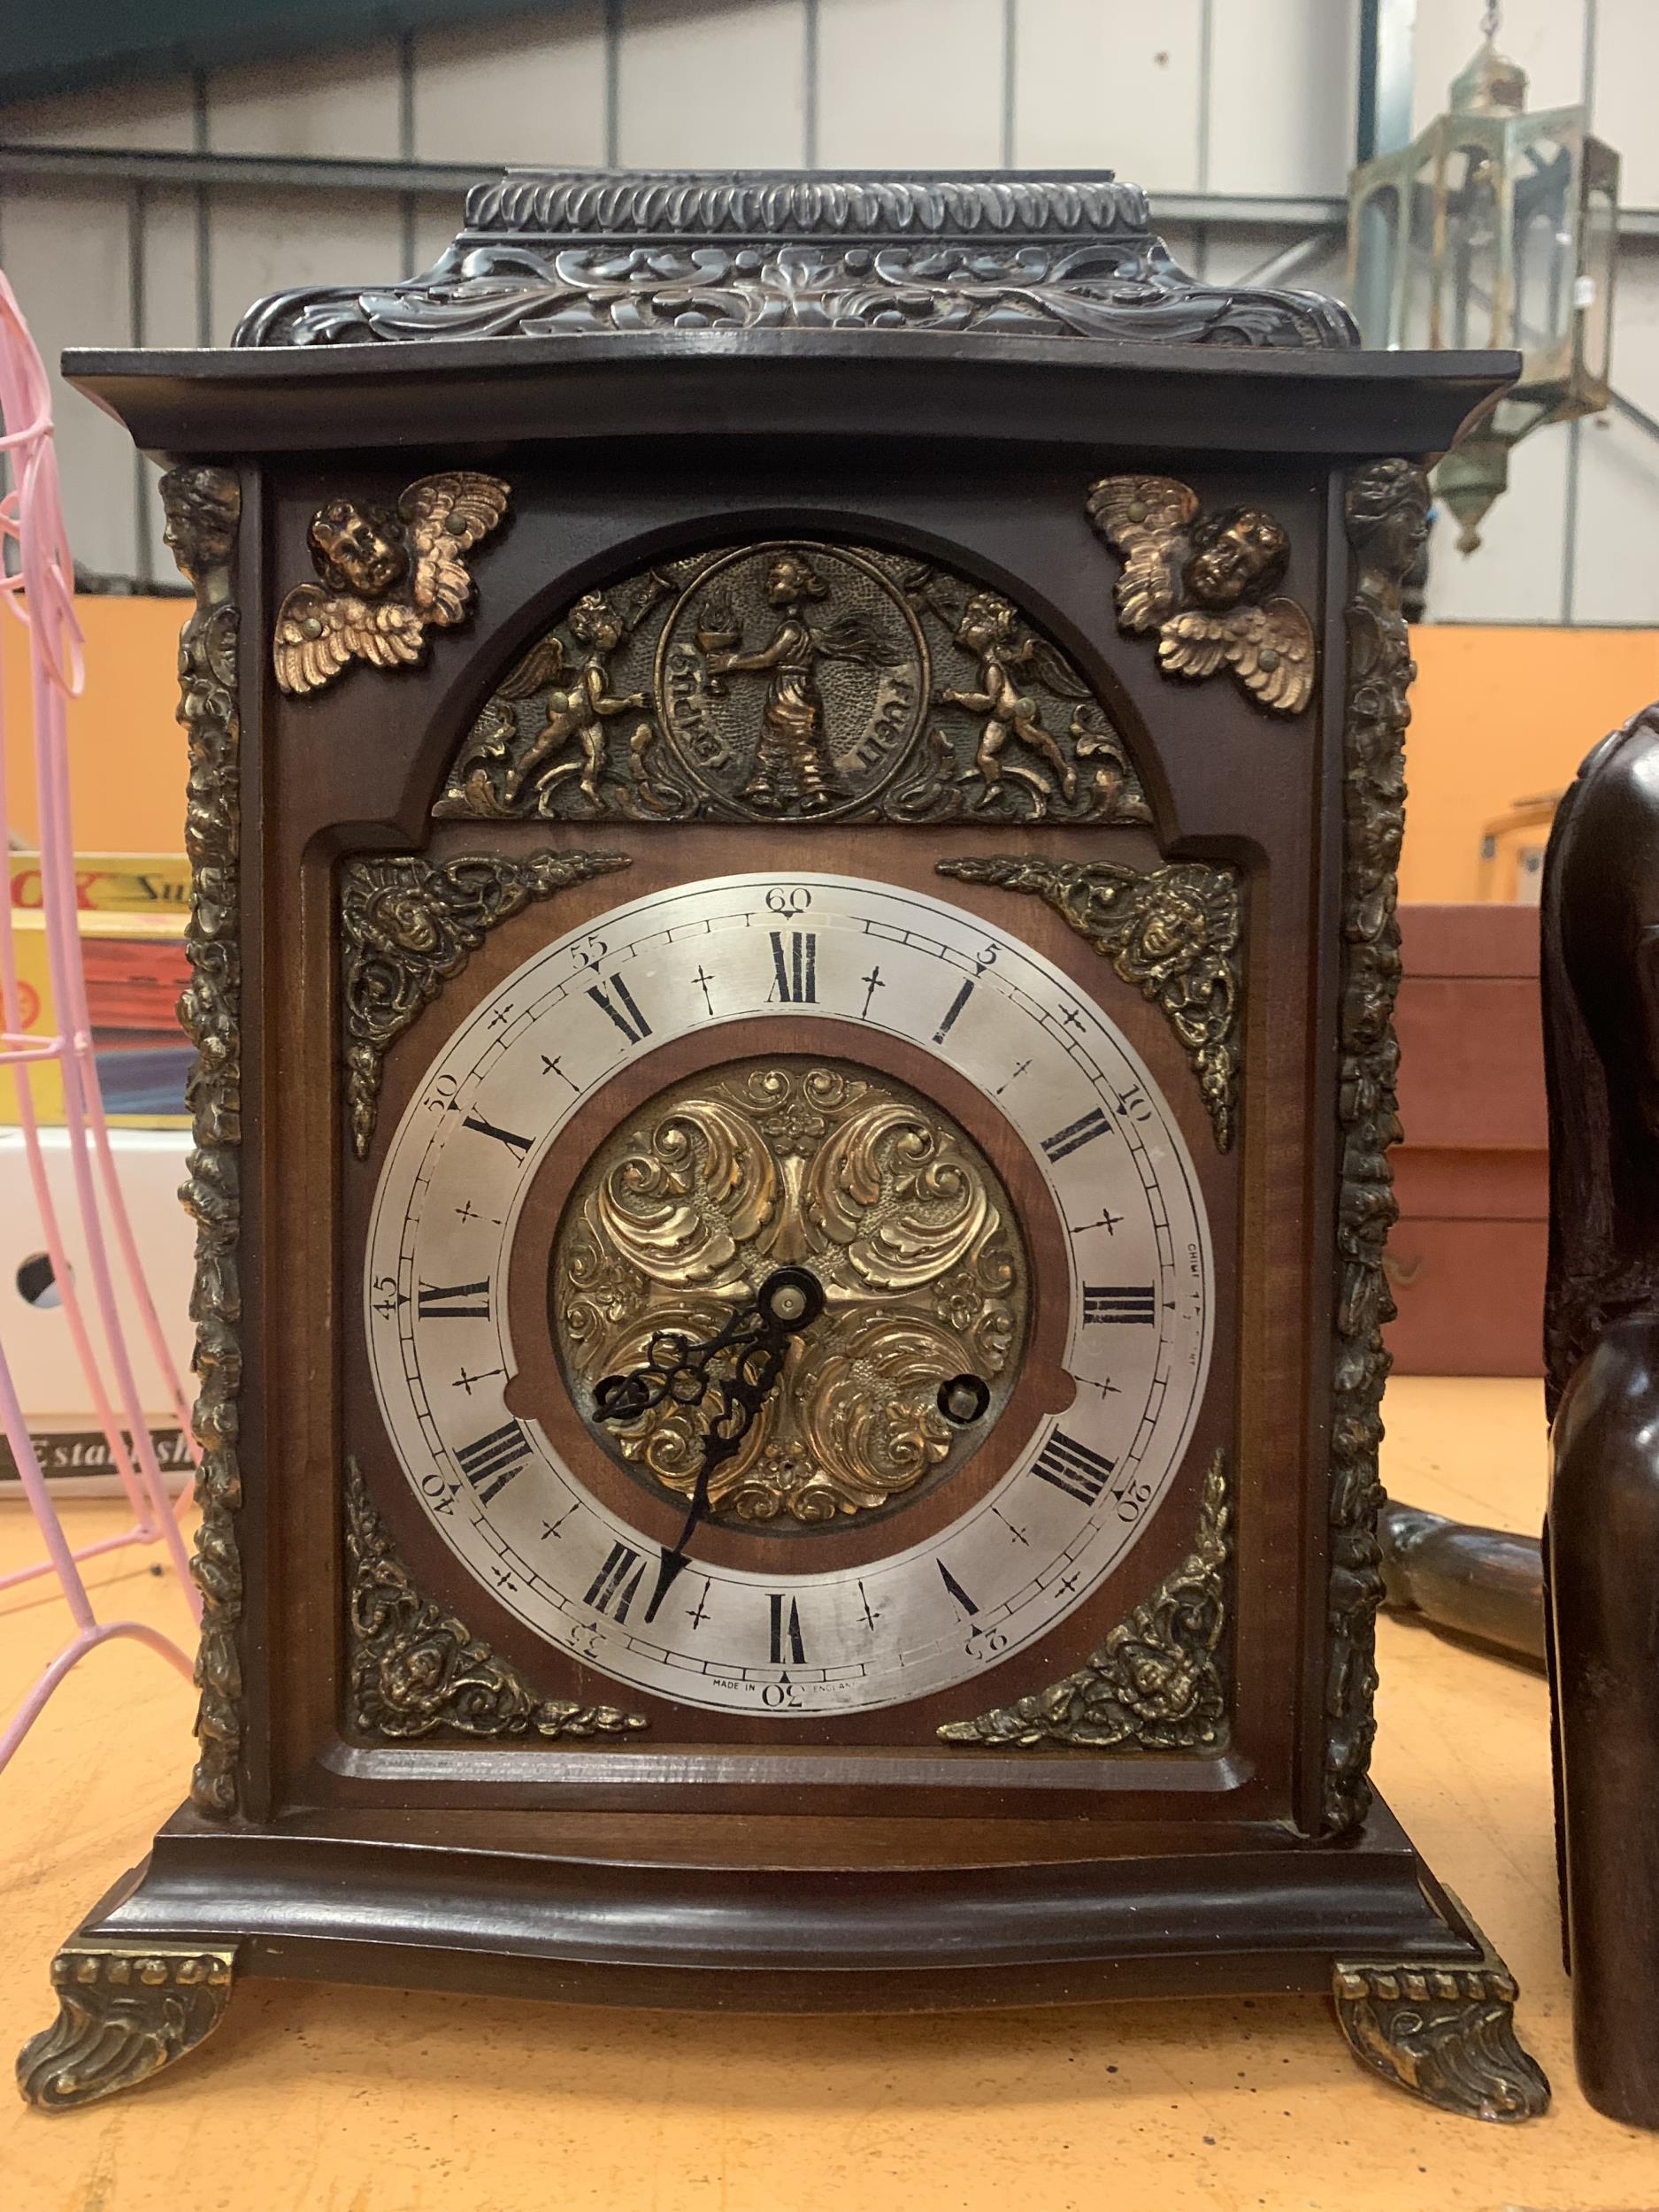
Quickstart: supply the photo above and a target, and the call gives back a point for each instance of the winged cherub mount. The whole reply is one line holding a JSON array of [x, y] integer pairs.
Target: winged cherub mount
[[388, 575], [1208, 584]]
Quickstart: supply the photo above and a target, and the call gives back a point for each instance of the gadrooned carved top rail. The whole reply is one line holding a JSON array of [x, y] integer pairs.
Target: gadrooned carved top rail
[[804, 203]]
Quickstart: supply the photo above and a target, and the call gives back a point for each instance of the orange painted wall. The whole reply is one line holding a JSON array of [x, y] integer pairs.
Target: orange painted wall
[[126, 750], [1498, 715]]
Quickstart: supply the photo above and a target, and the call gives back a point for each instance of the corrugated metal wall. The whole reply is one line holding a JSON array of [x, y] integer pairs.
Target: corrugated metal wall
[[1190, 97]]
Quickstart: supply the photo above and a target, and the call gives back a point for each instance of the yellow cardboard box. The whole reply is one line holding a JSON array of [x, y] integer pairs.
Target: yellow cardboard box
[[113, 883], [132, 914]]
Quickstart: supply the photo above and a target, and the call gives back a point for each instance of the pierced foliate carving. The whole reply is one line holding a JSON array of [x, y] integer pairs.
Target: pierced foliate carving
[[793, 681], [551, 254], [202, 507], [407, 925], [122, 2016], [415, 1668], [388, 575], [1444, 2032], [897, 1215], [1156, 1683], [1208, 584], [1173, 932], [1387, 511]]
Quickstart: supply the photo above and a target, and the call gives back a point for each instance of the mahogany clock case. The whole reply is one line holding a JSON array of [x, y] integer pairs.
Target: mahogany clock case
[[357, 768], [832, 1862]]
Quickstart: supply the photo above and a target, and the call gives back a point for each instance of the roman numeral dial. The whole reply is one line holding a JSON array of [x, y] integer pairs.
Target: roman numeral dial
[[508, 1128]]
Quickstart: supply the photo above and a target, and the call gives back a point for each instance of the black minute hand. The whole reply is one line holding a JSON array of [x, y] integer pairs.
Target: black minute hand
[[742, 1362]]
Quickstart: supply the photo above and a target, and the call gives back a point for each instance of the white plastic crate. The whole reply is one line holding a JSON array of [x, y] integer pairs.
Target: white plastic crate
[[32, 1327]]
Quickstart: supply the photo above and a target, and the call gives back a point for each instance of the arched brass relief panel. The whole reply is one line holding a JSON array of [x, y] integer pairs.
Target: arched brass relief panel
[[795, 679]]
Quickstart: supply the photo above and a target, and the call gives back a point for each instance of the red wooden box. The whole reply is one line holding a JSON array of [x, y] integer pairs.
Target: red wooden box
[[1466, 1262]]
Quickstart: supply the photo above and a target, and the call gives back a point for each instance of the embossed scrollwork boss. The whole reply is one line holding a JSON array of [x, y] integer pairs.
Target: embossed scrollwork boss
[[874, 1188], [1207, 581]]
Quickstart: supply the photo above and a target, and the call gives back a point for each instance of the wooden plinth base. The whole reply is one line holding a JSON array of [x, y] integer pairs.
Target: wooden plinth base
[[824, 1916]]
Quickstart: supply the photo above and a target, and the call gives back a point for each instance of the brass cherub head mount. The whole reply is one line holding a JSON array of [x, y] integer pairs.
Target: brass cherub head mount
[[388, 575], [1237, 554], [1208, 583], [359, 547]]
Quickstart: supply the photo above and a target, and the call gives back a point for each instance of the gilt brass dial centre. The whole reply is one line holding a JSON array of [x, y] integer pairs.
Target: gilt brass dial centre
[[702, 1193]]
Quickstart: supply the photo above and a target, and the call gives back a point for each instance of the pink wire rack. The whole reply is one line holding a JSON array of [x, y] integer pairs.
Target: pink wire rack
[[37, 586]]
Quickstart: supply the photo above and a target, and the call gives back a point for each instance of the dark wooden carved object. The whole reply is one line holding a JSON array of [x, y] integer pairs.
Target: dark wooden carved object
[[1600, 979], [790, 529], [1486, 1584]]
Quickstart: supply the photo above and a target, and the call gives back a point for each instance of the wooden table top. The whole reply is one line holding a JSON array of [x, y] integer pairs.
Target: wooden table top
[[343, 2101]]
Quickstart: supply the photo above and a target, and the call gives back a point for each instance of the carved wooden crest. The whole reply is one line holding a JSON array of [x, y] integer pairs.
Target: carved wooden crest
[[641, 251], [795, 679]]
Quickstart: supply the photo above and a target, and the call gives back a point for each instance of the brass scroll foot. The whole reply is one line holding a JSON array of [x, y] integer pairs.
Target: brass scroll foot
[[122, 2016], [1445, 2033]]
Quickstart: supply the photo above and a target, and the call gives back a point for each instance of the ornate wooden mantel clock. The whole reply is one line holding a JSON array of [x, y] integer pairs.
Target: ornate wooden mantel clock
[[793, 789]]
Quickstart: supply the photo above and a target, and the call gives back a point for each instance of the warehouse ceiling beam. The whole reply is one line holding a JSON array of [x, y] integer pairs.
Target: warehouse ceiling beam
[[76, 45], [1241, 212], [138, 165]]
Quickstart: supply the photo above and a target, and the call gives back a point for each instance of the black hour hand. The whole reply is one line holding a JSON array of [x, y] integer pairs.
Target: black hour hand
[[741, 1360]]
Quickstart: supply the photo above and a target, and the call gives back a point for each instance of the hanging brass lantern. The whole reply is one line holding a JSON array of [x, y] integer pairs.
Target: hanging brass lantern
[[1493, 227]]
